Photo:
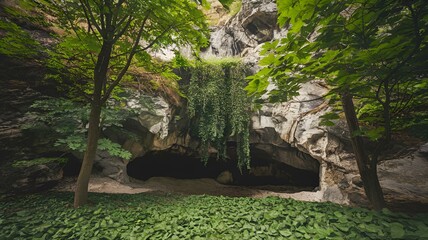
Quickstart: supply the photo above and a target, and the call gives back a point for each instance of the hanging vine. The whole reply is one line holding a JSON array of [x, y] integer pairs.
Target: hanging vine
[[219, 108]]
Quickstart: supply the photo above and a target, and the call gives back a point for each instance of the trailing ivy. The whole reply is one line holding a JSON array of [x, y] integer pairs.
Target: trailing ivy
[[219, 107]]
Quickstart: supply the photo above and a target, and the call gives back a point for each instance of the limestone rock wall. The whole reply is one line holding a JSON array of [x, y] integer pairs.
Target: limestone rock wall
[[297, 123]]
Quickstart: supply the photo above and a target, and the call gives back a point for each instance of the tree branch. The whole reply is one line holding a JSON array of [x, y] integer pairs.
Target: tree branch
[[125, 68], [116, 12], [418, 41], [87, 8], [90, 28], [123, 30]]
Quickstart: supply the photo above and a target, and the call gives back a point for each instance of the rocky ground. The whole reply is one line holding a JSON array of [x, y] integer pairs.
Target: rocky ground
[[201, 186]]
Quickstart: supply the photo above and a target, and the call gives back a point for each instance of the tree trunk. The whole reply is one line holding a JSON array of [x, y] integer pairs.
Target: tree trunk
[[100, 79], [387, 119], [81, 192], [367, 168]]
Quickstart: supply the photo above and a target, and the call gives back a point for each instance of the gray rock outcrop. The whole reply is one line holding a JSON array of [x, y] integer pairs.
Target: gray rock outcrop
[[253, 25]]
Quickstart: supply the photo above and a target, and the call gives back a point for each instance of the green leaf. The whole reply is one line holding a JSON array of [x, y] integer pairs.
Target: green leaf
[[397, 230], [267, 60], [375, 133], [343, 228], [285, 233]]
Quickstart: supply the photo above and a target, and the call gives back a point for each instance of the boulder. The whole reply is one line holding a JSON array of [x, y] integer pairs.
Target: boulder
[[405, 178], [423, 150], [225, 177], [112, 167]]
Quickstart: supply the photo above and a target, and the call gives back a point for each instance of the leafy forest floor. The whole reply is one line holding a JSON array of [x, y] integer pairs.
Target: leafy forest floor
[[167, 208], [50, 215]]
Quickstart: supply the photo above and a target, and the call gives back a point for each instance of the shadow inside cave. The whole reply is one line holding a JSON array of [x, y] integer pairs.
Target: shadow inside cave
[[265, 173]]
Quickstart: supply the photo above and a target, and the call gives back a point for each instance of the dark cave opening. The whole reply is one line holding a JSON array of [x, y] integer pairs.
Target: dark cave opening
[[171, 164], [267, 171], [264, 171], [72, 166]]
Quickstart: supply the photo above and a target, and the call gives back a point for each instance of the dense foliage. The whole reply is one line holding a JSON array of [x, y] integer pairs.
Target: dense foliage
[[143, 216], [376, 50], [67, 121], [372, 53], [220, 109], [15, 40], [135, 29]]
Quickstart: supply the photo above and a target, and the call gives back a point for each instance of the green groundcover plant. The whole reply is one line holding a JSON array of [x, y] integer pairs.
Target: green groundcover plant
[[163, 216]]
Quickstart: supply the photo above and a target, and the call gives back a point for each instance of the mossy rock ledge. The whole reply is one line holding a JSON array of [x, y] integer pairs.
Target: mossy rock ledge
[[31, 175]]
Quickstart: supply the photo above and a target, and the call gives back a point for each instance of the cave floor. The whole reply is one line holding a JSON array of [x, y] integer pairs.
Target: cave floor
[[200, 186], [403, 182], [208, 186]]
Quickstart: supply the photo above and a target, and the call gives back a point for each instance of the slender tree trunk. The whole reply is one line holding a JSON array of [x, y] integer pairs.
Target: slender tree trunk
[[81, 192], [367, 168], [100, 79], [387, 119]]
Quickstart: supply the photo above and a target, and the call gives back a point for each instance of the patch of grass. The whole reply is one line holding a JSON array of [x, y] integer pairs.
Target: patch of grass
[[144, 216], [235, 7], [37, 161]]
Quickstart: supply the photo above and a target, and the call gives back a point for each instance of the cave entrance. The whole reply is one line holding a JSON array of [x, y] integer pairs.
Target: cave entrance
[[264, 170], [267, 169], [172, 164]]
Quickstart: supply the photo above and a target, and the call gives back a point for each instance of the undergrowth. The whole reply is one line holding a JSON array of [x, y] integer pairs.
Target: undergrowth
[[151, 216]]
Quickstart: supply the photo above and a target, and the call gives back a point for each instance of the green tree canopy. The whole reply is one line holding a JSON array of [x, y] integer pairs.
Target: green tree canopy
[[131, 27], [373, 50], [377, 50], [104, 38]]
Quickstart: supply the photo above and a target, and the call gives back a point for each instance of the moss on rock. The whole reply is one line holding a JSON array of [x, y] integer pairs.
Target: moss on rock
[[38, 161]]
